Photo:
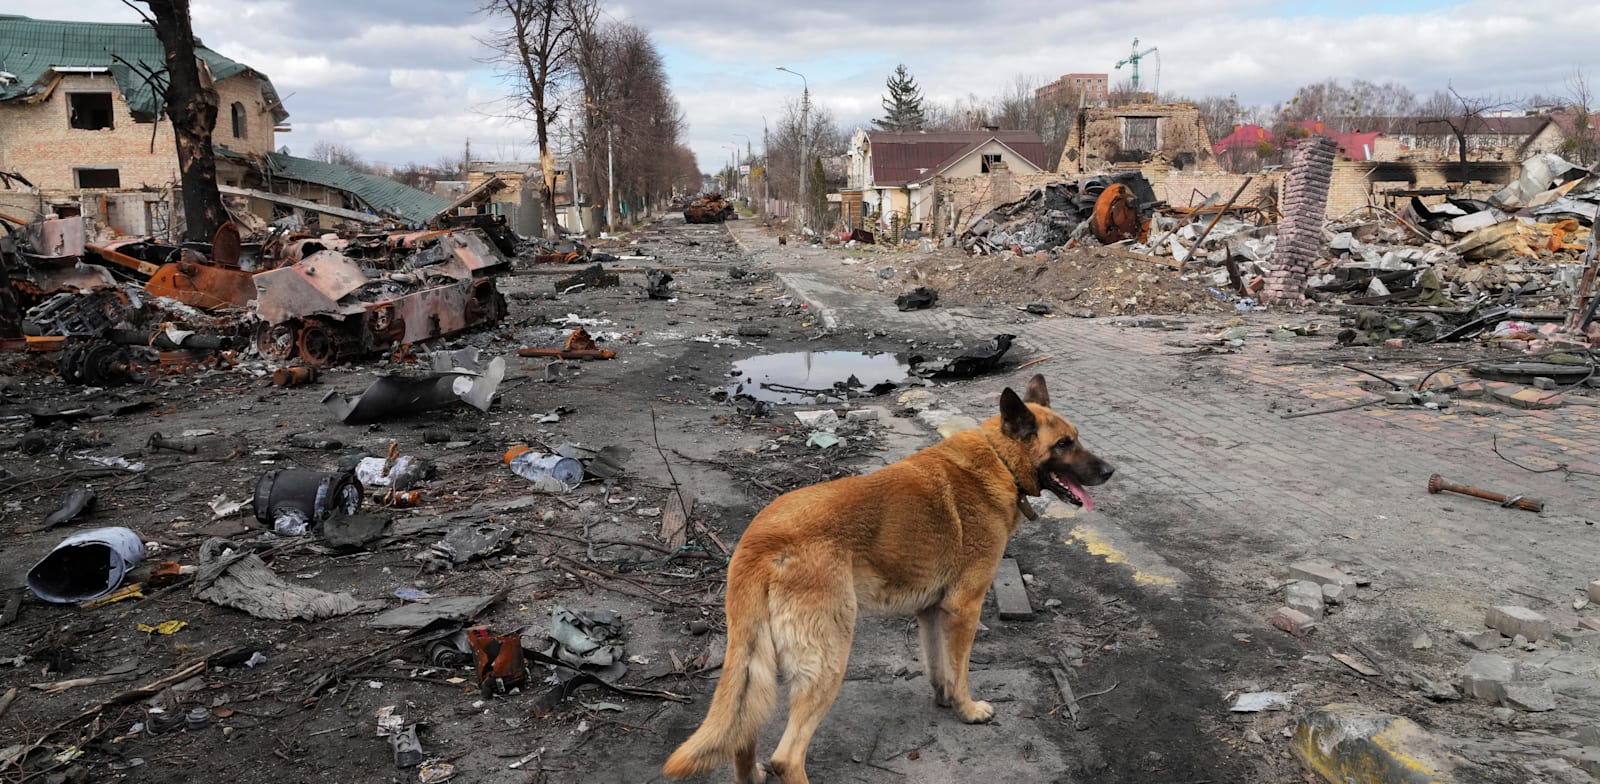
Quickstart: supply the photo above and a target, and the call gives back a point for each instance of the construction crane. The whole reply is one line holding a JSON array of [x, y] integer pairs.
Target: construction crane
[[1133, 60]]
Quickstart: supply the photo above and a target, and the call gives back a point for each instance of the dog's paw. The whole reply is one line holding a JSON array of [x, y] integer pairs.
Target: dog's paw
[[976, 712], [941, 697]]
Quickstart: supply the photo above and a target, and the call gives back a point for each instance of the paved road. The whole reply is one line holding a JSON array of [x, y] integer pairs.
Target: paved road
[[1216, 492]]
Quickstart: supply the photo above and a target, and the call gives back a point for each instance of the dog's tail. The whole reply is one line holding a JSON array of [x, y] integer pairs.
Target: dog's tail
[[748, 689]]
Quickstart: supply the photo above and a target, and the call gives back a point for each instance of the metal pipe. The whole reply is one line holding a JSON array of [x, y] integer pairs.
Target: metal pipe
[[1436, 484]]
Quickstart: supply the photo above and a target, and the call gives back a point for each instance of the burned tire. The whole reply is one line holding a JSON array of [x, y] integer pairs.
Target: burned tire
[[319, 343], [278, 342]]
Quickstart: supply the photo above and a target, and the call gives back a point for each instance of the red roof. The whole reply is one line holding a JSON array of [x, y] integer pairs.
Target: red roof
[[1355, 146], [900, 158]]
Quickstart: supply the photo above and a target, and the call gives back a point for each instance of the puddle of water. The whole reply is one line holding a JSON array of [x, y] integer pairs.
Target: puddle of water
[[797, 378]]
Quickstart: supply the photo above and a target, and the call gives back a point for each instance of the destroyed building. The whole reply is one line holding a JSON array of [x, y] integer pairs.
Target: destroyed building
[[81, 124], [1101, 138], [925, 180]]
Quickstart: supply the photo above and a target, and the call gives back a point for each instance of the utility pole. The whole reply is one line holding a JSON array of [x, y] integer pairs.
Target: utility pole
[[766, 170], [805, 125], [611, 182]]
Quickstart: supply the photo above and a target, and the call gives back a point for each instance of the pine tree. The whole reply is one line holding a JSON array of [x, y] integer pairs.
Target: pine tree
[[902, 106]]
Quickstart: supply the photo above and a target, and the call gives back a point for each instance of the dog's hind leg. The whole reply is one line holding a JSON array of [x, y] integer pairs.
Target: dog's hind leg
[[960, 625], [935, 664], [814, 633], [745, 769]]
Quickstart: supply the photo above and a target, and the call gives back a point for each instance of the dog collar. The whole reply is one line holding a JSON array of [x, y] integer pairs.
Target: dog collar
[[1023, 506], [1022, 494]]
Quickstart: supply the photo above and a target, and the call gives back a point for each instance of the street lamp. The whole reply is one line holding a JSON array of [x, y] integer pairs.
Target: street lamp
[[805, 122]]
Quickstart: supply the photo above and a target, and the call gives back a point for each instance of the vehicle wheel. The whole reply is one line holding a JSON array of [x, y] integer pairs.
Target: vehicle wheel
[[319, 345], [278, 342]]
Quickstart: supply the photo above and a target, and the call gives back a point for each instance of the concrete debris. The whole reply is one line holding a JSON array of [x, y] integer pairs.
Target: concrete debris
[[1485, 676], [1513, 621]]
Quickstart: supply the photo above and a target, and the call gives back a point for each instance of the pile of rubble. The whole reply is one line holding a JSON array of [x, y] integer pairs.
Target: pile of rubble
[[1058, 214], [1524, 253], [318, 298]]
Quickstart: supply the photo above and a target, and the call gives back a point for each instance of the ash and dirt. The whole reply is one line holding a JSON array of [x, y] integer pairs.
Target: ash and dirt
[[1082, 281]]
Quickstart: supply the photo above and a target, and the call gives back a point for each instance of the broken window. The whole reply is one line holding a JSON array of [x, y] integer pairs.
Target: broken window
[[1139, 135], [989, 160], [240, 131], [89, 111], [98, 178]]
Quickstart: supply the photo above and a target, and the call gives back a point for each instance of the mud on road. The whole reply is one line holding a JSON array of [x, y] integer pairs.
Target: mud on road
[[1148, 667]]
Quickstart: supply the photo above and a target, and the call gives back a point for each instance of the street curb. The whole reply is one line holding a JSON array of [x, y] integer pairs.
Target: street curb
[[1347, 743], [824, 313]]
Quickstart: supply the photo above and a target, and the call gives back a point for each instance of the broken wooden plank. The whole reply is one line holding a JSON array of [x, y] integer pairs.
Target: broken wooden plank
[[1355, 664], [1010, 595], [675, 519]]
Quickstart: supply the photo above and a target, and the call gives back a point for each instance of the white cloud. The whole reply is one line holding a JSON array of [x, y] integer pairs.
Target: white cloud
[[404, 79]]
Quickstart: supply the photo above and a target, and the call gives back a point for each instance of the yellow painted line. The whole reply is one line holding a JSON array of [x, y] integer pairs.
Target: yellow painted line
[[1097, 545]]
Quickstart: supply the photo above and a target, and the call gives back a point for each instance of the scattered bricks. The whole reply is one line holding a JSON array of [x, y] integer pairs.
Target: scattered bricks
[[1397, 343], [1398, 397], [1347, 742], [1336, 594], [1512, 621], [1485, 676], [1585, 758], [1579, 638], [1544, 382], [1536, 399], [1293, 621], [1305, 596], [1321, 573], [1486, 640], [1470, 389], [1594, 591], [1530, 696], [861, 415]]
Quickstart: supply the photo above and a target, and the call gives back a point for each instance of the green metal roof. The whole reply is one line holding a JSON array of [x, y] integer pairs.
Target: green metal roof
[[30, 48], [383, 195]]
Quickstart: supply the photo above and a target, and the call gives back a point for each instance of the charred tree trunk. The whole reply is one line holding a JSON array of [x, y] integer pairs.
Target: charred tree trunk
[[191, 105]]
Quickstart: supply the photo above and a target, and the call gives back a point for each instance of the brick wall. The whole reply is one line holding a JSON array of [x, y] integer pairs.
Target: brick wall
[[1178, 186], [960, 200], [1097, 140], [37, 141]]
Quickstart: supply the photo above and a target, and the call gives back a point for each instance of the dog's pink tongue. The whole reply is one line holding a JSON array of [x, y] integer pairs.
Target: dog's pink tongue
[[1077, 490]]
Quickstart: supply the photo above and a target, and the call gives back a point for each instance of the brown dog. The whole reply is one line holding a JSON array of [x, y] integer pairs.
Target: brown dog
[[922, 536]]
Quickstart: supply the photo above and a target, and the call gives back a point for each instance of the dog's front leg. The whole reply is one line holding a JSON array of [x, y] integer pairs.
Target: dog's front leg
[[960, 627]]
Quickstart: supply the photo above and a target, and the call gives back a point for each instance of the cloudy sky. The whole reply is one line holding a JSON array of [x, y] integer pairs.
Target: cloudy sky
[[405, 80]]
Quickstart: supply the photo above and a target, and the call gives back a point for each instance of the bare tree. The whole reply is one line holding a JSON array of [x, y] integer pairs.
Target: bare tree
[[534, 49], [334, 152], [190, 102], [1583, 138], [1464, 118]]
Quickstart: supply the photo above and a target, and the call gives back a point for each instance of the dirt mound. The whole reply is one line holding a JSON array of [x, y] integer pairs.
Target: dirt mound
[[1095, 279]]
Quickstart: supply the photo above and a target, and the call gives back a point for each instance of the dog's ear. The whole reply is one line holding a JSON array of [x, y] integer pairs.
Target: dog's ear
[[1016, 420], [1036, 392]]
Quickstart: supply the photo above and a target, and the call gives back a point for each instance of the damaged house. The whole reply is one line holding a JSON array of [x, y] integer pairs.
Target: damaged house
[[1132, 134], [922, 179], [86, 131], [83, 131]]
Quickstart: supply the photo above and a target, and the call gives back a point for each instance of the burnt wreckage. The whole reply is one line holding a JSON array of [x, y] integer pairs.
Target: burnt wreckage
[[321, 299]]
